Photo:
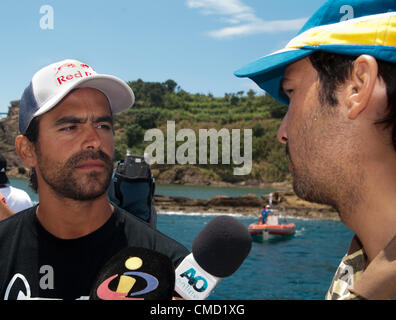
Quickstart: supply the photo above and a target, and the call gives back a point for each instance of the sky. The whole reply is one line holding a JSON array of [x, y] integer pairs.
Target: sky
[[197, 43]]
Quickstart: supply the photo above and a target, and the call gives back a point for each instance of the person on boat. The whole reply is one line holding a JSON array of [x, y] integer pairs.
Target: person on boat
[[264, 213], [56, 248], [338, 77]]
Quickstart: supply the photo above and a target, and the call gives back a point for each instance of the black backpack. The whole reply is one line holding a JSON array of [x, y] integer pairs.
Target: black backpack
[[132, 188]]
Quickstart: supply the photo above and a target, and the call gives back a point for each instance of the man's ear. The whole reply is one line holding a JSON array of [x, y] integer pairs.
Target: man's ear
[[26, 151], [362, 81]]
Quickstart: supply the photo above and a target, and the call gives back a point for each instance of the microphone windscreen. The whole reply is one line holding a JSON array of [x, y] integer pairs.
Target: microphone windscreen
[[135, 274], [222, 246]]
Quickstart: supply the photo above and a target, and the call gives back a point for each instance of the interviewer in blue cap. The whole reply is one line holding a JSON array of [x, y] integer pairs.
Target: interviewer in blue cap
[[338, 77]]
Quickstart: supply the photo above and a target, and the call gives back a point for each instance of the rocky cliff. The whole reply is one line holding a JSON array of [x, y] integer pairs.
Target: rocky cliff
[[8, 133]]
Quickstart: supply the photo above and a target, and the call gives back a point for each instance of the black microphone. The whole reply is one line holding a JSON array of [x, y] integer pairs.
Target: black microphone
[[217, 252], [135, 274]]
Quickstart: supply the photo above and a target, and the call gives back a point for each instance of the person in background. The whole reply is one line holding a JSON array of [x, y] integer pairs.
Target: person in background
[[5, 210], [338, 77], [17, 199], [264, 213]]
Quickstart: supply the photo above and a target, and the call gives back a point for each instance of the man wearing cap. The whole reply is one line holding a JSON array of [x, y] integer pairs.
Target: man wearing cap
[[338, 78], [16, 199], [55, 249]]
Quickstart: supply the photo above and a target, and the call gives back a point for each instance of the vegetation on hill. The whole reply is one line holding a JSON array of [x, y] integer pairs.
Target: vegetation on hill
[[156, 103]]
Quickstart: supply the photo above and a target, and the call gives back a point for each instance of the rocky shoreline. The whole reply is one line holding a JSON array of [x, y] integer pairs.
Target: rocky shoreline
[[285, 202]]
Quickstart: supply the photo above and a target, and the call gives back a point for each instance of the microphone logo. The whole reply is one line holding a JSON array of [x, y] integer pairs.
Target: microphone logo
[[126, 283], [193, 282], [199, 283]]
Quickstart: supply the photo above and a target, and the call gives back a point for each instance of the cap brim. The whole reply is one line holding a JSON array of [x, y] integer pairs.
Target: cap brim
[[268, 71], [119, 94]]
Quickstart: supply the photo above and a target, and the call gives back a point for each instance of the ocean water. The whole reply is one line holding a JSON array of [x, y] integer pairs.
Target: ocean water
[[300, 268]]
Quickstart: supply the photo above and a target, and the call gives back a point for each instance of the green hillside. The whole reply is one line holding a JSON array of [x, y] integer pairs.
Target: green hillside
[[156, 103]]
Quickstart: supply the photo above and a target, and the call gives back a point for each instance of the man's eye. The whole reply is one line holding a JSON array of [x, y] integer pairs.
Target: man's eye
[[68, 128], [104, 126]]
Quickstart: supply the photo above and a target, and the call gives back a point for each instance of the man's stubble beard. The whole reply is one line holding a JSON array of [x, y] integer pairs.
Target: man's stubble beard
[[328, 176], [66, 182]]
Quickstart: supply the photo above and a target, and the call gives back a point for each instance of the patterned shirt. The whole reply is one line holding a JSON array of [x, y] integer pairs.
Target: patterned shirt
[[348, 272], [355, 278]]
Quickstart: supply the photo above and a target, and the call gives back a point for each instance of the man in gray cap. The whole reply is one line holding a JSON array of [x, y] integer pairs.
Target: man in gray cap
[[16, 199], [56, 248], [338, 78]]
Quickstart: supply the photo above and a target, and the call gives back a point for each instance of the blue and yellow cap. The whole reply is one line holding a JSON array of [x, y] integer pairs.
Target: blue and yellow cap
[[351, 27]]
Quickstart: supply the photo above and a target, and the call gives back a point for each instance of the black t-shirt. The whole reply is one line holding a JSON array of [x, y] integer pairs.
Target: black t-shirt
[[35, 264]]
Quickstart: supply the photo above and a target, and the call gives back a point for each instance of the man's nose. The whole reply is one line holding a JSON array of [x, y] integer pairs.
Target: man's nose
[[282, 131], [92, 139]]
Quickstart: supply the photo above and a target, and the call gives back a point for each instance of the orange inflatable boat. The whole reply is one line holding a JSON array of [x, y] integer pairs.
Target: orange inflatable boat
[[271, 230]]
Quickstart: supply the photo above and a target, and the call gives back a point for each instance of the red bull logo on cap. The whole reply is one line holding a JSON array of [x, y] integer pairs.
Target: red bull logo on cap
[[69, 71], [65, 65]]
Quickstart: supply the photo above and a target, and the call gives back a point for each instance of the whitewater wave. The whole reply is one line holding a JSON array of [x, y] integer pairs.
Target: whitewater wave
[[202, 214]]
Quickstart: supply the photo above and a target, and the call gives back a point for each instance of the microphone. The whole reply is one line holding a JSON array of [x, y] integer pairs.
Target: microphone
[[135, 274], [217, 252]]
